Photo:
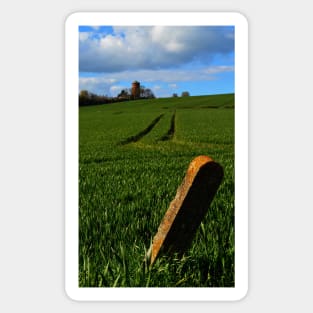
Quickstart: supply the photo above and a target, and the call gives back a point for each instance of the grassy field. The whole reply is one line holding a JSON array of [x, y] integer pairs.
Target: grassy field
[[132, 158]]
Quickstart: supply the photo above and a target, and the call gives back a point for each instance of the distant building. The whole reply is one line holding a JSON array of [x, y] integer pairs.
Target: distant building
[[135, 89]]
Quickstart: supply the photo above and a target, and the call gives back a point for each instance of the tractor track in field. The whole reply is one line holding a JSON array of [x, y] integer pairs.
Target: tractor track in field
[[142, 133], [170, 133]]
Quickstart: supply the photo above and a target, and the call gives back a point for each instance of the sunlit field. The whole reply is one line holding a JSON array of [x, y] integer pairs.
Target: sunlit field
[[132, 158]]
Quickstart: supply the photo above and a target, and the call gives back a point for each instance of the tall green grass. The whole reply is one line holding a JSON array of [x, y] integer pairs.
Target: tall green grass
[[125, 189]]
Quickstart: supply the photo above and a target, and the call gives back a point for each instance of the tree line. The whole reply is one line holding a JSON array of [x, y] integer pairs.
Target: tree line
[[144, 93], [88, 98]]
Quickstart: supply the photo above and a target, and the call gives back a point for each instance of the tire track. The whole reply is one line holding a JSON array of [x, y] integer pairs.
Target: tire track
[[141, 134], [170, 133]]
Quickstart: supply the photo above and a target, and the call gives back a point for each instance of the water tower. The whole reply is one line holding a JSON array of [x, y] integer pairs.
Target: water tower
[[135, 89]]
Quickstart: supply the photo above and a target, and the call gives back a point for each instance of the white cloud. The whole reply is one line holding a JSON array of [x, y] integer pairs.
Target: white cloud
[[112, 83], [97, 85], [174, 86], [159, 47], [219, 69], [116, 89], [172, 77], [83, 36]]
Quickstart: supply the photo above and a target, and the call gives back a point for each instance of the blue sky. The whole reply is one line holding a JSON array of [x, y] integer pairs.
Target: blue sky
[[166, 59]]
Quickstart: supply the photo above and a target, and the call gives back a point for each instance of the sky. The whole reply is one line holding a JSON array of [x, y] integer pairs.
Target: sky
[[166, 59]]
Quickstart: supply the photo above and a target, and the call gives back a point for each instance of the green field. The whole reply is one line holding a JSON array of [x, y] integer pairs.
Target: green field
[[132, 158]]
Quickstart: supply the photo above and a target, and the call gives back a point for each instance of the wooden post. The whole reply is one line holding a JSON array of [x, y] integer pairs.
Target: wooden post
[[187, 210]]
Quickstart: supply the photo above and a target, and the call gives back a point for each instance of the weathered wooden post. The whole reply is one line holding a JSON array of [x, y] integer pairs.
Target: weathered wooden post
[[187, 210]]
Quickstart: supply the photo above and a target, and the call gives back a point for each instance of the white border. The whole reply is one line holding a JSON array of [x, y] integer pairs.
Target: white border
[[241, 156]]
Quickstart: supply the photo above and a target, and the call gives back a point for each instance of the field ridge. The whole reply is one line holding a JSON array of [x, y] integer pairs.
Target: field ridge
[[142, 133], [170, 133]]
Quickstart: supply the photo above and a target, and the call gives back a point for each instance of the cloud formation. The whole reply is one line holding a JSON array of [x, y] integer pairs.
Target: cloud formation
[[152, 48], [112, 83]]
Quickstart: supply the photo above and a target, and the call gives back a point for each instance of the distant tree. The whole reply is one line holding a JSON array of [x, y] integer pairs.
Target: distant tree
[[148, 94], [125, 94], [142, 91], [175, 95], [84, 93], [185, 94], [89, 98], [84, 97]]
